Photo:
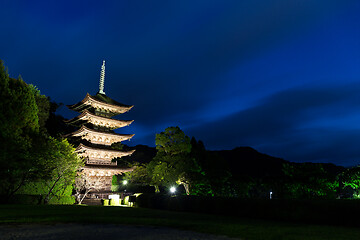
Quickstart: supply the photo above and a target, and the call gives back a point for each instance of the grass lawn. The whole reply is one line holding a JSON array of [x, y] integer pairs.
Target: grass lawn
[[221, 225]]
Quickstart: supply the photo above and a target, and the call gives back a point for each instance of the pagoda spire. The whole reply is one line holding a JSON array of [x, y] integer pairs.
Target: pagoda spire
[[102, 78]]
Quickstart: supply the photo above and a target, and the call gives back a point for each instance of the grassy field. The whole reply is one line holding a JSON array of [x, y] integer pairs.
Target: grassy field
[[221, 225]]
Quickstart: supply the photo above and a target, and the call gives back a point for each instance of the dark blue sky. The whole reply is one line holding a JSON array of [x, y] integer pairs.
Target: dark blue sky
[[280, 76]]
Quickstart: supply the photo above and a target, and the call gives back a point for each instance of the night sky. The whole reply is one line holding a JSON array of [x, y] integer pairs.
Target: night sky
[[280, 76]]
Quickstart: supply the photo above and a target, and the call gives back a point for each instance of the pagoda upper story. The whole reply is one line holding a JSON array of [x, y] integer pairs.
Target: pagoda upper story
[[97, 125], [99, 121], [101, 105], [100, 137]]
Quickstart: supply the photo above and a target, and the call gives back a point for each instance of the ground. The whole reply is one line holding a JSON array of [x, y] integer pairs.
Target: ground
[[18, 222], [72, 231]]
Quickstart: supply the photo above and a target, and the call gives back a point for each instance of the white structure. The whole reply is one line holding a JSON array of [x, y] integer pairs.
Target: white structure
[[102, 78]]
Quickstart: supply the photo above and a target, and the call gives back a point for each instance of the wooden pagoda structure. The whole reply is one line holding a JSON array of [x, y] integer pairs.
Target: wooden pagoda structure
[[96, 125]]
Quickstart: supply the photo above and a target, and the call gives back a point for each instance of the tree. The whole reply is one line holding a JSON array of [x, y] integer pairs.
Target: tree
[[214, 176], [139, 175], [173, 162], [173, 142], [19, 123], [309, 180], [55, 124], [62, 163], [27, 154], [18, 108], [84, 184], [350, 178], [43, 106]]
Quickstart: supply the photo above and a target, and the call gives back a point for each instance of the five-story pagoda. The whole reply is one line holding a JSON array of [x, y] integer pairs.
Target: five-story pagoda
[[97, 135]]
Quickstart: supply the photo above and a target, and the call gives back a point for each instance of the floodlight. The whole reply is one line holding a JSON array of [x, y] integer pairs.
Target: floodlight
[[172, 189]]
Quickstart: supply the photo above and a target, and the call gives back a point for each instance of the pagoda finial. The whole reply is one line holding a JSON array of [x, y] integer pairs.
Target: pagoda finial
[[102, 78]]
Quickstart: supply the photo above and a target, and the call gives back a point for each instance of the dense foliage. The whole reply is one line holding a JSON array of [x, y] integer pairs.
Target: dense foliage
[[19, 123], [31, 161], [350, 182], [173, 164]]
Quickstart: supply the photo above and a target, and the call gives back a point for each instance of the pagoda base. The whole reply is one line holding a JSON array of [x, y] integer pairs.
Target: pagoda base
[[105, 195], [92, 202], [99, 195]]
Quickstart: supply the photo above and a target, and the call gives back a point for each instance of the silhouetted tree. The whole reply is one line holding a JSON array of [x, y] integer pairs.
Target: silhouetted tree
[[214, 176]]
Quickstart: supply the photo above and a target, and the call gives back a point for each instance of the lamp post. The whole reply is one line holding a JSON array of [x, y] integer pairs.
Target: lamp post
[[125, 182]]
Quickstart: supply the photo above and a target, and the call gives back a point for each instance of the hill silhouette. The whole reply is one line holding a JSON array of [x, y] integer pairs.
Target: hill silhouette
[[240, 161], [248, 161]]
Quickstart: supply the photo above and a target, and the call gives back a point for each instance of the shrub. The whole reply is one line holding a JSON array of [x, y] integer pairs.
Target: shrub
[[105, 202], [114, 202], [64, 200], [25, 199]]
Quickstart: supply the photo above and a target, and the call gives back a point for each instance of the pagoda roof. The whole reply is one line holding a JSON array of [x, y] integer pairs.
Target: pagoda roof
[[99, 120], [117, 153], [100, 101], [85, 130]]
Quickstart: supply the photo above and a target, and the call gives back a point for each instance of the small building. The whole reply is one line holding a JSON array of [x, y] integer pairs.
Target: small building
[[96, 131]]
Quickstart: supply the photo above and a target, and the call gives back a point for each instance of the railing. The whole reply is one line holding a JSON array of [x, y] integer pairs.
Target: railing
[[100, 162]]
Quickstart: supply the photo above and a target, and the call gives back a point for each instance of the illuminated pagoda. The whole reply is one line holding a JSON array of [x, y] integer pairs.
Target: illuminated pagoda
[[97, 135]]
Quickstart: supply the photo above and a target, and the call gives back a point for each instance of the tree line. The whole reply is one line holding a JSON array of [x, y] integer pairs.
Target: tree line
[[181, 161]]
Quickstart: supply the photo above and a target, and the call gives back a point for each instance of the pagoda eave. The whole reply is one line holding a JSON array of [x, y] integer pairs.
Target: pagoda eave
[[92, 102], [106, 167], [96, 120], [104, 171], [87, 151], [99, 137]]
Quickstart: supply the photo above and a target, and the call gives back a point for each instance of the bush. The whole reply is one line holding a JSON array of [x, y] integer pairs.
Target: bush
[[35, 199], [40, 190], [115, 188], [114, 202], [126, 200], [105, 202], [64, 200], [25, 199]]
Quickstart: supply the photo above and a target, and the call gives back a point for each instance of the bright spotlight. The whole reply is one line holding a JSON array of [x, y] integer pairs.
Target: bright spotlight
[[172, 189], [125, 182]]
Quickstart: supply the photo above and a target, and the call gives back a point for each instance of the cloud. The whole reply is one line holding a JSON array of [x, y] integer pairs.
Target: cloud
[[278, 125]]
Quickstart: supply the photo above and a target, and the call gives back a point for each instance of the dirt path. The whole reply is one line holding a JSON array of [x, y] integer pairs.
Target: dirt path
[[97, 232]]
